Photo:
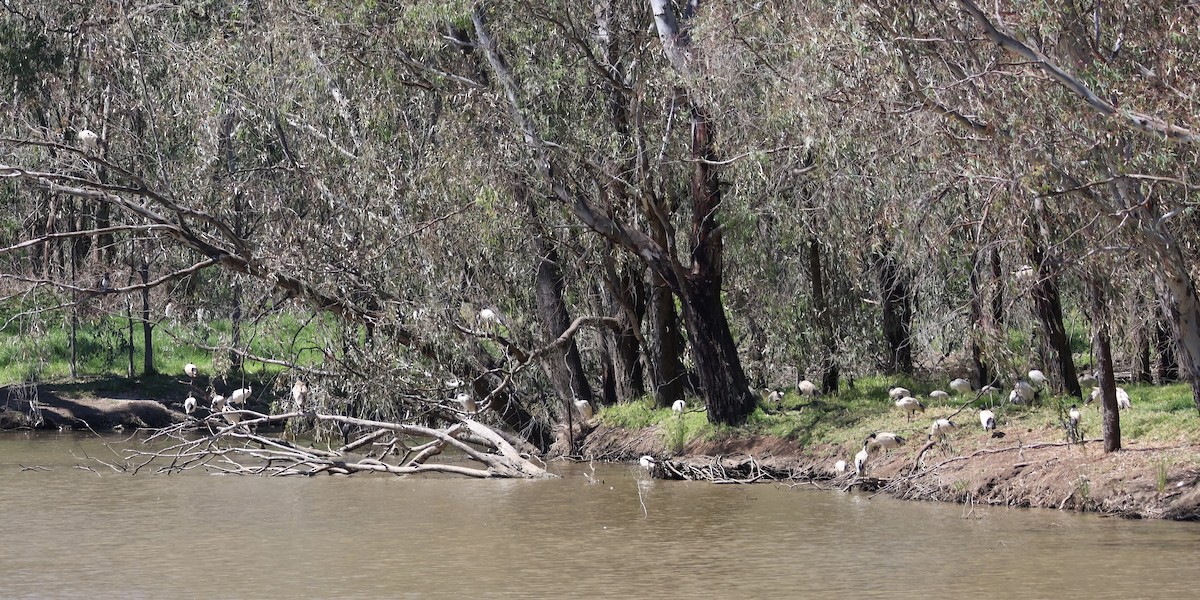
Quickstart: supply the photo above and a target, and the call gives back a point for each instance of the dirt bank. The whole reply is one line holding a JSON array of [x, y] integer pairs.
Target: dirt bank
[[1031, 470], [39, 407]]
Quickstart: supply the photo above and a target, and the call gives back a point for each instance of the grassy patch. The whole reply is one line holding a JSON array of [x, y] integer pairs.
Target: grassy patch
[[38, 349]]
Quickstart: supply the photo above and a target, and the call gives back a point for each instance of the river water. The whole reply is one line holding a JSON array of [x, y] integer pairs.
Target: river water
[[67, 532]]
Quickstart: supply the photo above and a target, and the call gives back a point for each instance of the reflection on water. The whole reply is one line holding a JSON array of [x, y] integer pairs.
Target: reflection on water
[[69, 533]]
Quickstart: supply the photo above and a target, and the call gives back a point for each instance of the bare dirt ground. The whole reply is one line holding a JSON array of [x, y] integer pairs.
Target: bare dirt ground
[[1035, 470], [42, 408]]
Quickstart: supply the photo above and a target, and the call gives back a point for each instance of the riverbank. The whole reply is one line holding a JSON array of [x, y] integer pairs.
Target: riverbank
[[1033, 469], [68, 407]]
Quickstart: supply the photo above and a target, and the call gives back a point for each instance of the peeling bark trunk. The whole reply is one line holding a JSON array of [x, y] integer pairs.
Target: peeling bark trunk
[[982, 376], [1108, 383], [1167, 367], [666, 344], [1143, 367], [896, 302], [829, 366], [1049, 311], [1182, 306], [147, 325], [563, 364]]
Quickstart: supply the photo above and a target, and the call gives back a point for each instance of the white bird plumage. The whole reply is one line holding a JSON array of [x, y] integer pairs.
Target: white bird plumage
[[218, 403], [191, 370], [1037, 378], [1123, 401], [677, 406], [987, 418], [774, 396], [883, 439], [467, 403], [910, 405], [939, 395], [940, 428], [807, 388], [860, 461], [1025, 391], [88, 139], [961, 386], [239, 396], [897, 393], [584, 408], [647, 462], [1088, 380], [299, 395], [840, 466], [189, 404]]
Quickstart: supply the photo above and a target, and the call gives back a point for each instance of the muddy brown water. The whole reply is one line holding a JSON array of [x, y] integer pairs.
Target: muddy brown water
[[69, 533]]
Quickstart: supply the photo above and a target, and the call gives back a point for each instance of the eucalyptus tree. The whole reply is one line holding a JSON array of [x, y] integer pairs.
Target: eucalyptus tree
[[1093, 105]]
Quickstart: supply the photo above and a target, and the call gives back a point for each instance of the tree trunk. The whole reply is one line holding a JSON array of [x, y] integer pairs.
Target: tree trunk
[[147, 326], [1108, 383], [824, 320], [1047, 303], [719, 368], [724, 383], [1168, 368], [563, 364], [1049, 311], [896, 301], [1182, 306], [997, 292], [623, 297], [982, 375], [665, 344], [1142, 365]]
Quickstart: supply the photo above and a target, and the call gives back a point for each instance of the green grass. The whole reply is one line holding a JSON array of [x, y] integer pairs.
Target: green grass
[[37, 349], [1161, 415]]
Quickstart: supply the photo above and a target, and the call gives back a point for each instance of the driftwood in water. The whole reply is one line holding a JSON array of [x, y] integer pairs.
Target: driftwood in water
[[235, 448]]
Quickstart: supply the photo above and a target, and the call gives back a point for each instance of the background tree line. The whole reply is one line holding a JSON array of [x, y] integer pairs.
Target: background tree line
[[653, 198]]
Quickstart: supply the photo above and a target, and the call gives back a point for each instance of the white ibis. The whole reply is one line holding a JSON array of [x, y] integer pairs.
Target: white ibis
[[1088, 380], [939, 395], [231, 414], [840, 466], [1025, 275], [647, 462], [910, 405], [189, 404], [88, 139], [1073, 417], [585, 408], [299, 395], [941, 428], [807, 388], [239, 396], [774, 397], [884, 439], [218, 403], [961, 386], [677, 406], [1123, 401], [860, 461], [467, 402], [191, 370], [897, 393], [987, 418], [1037, 378], [1027, 392]]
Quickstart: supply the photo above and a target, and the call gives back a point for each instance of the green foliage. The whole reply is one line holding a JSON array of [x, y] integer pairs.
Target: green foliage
[[42, 351], [631, 415]]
